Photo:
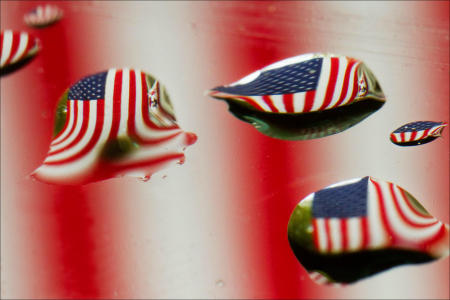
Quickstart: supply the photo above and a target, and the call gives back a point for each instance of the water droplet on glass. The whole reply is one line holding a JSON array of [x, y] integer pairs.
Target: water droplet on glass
[[119, 152], [145, 178], [299, 119], [164, 177], [324, 261], [181, 161], [220, 283]]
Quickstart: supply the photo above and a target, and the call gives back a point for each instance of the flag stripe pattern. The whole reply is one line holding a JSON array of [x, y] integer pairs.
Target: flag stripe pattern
[[107, 106], [16, 46], [370, 214], [43, 15], [302, 84], [417, 131]]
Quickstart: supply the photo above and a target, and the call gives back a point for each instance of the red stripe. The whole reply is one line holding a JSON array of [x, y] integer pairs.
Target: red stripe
[[334, 68], [288, 100], [269, 102], [439, 235], [132, 105], [402, 137], [328, 233], [251, 102], [14, 47], [402, 214], [145, 108], [425, 133], [309, 100], [364, 233], [84, 126], [31, 43], [117, 96], [315, 233], [394, 137], [411, 207], [384, 219], [69, 109], [345, 85], [355, 85], [93, 140], [413, 135], [344, 234]]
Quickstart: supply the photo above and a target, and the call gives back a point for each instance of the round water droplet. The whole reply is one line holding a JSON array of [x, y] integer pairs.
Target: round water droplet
[[220, 283], [164, 177]]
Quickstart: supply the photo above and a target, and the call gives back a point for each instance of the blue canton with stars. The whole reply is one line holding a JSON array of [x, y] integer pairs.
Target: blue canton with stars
[[341, 202], [290, 79], [417, 126], [89, 88]]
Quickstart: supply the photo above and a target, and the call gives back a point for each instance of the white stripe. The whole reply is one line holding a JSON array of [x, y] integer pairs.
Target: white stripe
[[260, 101], [23, 42], [408, 136], [77, 129], [78, 147], [71, 116], [377, 235], [142, 130], [351, 84], [411, 215], [354, 233], [6, 46], [277, 101], [405, 233], [335, 234], [321, 234], [343, 65], [299, 102], [437, 130], [322, 84], [168, 147], [124, 102]]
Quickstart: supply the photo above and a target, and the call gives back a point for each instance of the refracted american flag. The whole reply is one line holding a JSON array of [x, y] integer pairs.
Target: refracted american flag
[[417, 133], [302, 84], [16, 46], [119, 122], [43, 15], [370, 214]]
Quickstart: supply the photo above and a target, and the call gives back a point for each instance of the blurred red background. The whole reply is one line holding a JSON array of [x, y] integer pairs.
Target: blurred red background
[[214, 227]]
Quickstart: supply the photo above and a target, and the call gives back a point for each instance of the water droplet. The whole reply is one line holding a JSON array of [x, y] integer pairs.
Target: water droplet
[[220, 283], [298, 123], [164, 177], [145, 178], [181, 161]]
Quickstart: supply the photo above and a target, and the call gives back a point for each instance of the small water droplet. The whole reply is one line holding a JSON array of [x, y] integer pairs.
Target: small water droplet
[[181, 161], [145, 178], [220, 283], [164, 176]]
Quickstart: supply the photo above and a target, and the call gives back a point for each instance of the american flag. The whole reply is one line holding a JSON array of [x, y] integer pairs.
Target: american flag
[[370, 214], [302, 84], [43, 15], [416, 133], [112, 106], [16, 46]]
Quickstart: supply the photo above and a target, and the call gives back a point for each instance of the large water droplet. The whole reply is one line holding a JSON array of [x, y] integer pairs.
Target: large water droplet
[[348, 244]]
